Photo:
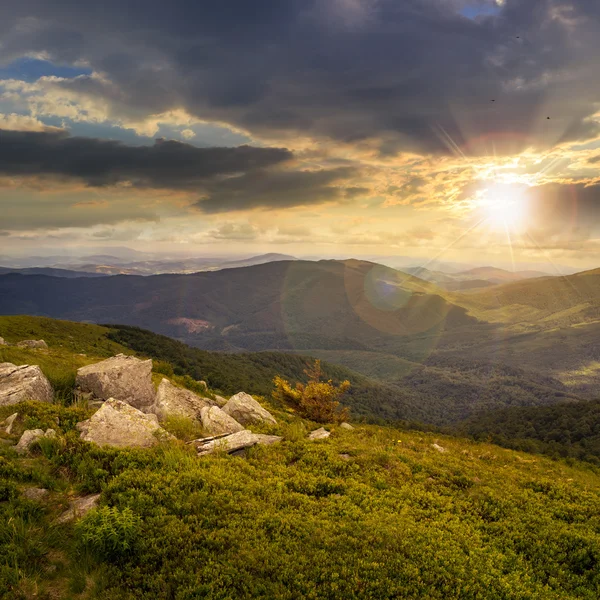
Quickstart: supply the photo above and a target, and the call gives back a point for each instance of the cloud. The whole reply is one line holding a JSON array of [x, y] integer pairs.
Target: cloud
[[411, 74], [18, 122], [166, 164], [275, 189]]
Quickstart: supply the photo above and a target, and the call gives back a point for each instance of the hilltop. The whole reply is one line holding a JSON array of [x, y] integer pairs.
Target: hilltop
[[373, 512]]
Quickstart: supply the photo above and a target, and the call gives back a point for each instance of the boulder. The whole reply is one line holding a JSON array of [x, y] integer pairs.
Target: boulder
[[120, 425], [220, 401], [35, 493], [8, 422], [439, 448], [30, 436], [3, 342], [79, 507], [32, 344], [173, 400], [246, 410], [234, 442], [319, 434], [26, 382], [122, 377], [215, 421], [346, 426]]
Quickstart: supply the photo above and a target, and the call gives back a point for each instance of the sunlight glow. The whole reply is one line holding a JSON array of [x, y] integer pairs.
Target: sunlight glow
[[504, 207]]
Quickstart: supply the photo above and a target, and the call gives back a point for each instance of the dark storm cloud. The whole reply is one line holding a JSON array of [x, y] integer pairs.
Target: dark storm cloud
[[281, 189], [166, 164], [407, 73]]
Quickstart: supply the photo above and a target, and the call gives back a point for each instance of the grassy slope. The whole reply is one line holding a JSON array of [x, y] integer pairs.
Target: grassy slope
[[371, 513]]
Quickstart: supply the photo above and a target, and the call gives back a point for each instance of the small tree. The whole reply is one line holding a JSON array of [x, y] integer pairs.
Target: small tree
[[316, 400]]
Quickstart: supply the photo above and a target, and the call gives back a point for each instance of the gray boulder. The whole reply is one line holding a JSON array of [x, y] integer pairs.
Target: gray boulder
[[122, 377], [319, 434], [26, 382], [30, 436], [234, 442], [246, 410], [120, 425], [173, 400], [9, 422], [220, 401], [346, 426], [215, 421], [79, 507], [32, 344]]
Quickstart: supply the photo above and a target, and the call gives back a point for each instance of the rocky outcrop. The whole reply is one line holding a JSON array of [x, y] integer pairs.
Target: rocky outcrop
[[346, 426], [220, 401], [319, 434], [36, 494], [79, 507], [173, 400], [122, 377], [247, 411], [120, 425], [234, 442], [216, 422], [30, 436], [32, 344], [26, 382], [8, 423]]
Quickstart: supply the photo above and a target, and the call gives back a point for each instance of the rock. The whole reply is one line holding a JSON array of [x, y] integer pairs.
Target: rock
[[26, 382], [246, 410], [346, 426], [122, 377], [3, 342], [36, 494], [345, 456], [8, 422], [79, 507], [215, 421], [30, 436], [439, 448], [319, 434], [173, 400], [234, 442], [32, 344], [220, 401], [120, 425]]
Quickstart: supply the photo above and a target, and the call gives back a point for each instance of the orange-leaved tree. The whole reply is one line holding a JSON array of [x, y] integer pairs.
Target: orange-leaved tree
[[316, 400]]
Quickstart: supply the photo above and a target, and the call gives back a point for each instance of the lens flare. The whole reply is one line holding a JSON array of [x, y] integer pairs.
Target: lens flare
[[504, 207]]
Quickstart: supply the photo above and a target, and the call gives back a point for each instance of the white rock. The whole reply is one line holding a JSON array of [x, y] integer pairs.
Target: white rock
[[3, 342], [234, 442], [32, 344], [79, 507], [122, 377], [215, 421], [26, 382], [246, 410], [319, 434], [30, 436], [8, 422], [173, 400], [439, 448], [120, 425], [346, 426]]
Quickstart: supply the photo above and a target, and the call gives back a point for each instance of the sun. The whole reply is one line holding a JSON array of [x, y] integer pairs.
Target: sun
[[504, 207]]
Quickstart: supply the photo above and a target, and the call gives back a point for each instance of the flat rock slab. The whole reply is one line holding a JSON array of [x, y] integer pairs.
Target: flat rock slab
[[247, 411], [234, 442], [122, 377], [30, 436], [319, 434], [215, 421], [79, 507], [173, 400], [32, 344], [36, 494], [26, 382], [120, 425]]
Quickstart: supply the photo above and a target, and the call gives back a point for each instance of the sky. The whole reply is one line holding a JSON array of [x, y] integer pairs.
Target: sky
[[464, 130]]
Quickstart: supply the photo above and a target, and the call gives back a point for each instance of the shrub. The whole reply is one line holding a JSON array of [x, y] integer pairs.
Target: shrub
[[183, 428], [109, 533], [163, 367], [317, 400]]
